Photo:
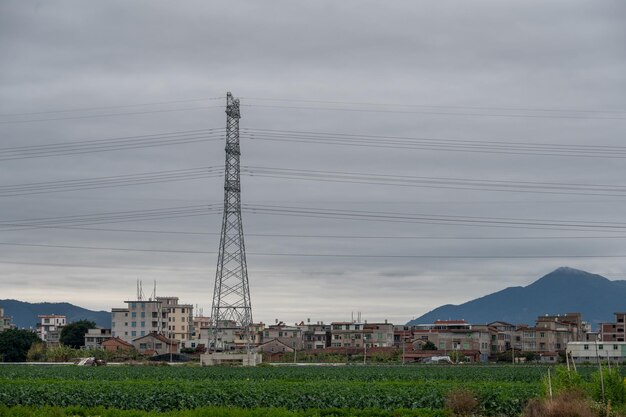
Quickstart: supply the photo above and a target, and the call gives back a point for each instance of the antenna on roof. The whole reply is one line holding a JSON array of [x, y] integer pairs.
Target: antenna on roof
[[153, 297], [140, 295]]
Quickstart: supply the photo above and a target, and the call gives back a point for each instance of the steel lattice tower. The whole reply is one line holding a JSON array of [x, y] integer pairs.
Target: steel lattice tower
[[231, 296]]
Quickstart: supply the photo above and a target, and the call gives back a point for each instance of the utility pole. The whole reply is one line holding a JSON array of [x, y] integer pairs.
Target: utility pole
[[231, 296]]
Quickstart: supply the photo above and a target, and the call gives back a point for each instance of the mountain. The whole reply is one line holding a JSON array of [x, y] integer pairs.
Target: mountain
[[565, 290], [25, 314]]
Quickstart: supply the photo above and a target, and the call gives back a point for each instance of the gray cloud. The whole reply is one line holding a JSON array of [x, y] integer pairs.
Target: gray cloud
[[527, 55]]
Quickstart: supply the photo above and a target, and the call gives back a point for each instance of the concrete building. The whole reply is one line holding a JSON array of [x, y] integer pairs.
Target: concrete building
[[347, 334], [95, 337], [315, 336], [139, 318], [378, 334], [5, 321], [200, 322], [616, 331], [155, 344], [291, 336], [179, 318], [597, 351], [49, 327]]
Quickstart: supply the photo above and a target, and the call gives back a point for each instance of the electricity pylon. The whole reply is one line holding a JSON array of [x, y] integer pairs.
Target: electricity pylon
[[231, 296]]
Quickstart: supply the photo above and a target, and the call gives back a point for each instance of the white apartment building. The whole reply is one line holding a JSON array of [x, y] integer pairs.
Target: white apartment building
[[139, 318], [597, 350], [179, 318], [49, 327]]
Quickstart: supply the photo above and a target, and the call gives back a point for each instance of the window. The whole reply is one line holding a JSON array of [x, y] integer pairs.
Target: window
[[586, 347], [143, 333], [143, 346], [133, 305], [542, 334], [133, 324], [133, 314], [112, 324], [615, 347], [601, 347], [143, 314], [133, 333], [158, 345], [46, 321], [143, 324]]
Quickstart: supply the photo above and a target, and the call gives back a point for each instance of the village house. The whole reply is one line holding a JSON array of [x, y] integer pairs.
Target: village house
[[155, 344], [95, 337], [116, 344]]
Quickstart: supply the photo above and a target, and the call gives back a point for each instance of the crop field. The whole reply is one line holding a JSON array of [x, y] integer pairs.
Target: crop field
[[500, 390]]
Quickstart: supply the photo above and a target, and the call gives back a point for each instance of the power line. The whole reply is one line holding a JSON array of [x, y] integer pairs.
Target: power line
[[113, 217], [438, 113], [90, 116], [111, 144], [154, 103], [335, 236], [447, 145], [318, 255], [404, 105], [438, 182], [110, 181], [394, 217]]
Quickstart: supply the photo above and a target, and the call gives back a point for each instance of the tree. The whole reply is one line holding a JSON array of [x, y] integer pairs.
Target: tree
[[14, 344], [429, 346], [73, 334]]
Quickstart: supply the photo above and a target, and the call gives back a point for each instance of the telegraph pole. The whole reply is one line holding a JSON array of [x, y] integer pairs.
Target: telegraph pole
[[231, 296]]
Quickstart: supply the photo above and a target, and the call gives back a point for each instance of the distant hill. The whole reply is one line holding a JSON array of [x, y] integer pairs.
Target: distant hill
[[25, 314], [565, 290]]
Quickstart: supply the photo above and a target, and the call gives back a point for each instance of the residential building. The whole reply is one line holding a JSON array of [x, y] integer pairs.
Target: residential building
[[49, 327], [315, 336], [95, 337], [155, 344], [179, 318], [597, 351], [116, 344], [274, 346], [616, 331], [5, 321], [347, 334], [291, 336], [378, 334], [198, 323], [139, 318]]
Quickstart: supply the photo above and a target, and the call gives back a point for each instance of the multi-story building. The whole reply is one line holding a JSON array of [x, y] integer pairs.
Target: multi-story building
[[347, 334], [5, 322], [378, 334], [179, 318], [200, 322], [139, 318], [95, 337], [49, 327], [315, 336], [291, 336], [616, 331]]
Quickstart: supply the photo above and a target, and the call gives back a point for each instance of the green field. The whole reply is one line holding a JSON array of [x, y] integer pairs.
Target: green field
[[501, 390]]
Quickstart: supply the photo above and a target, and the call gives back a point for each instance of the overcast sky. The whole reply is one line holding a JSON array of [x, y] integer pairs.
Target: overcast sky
[[501, 75]]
